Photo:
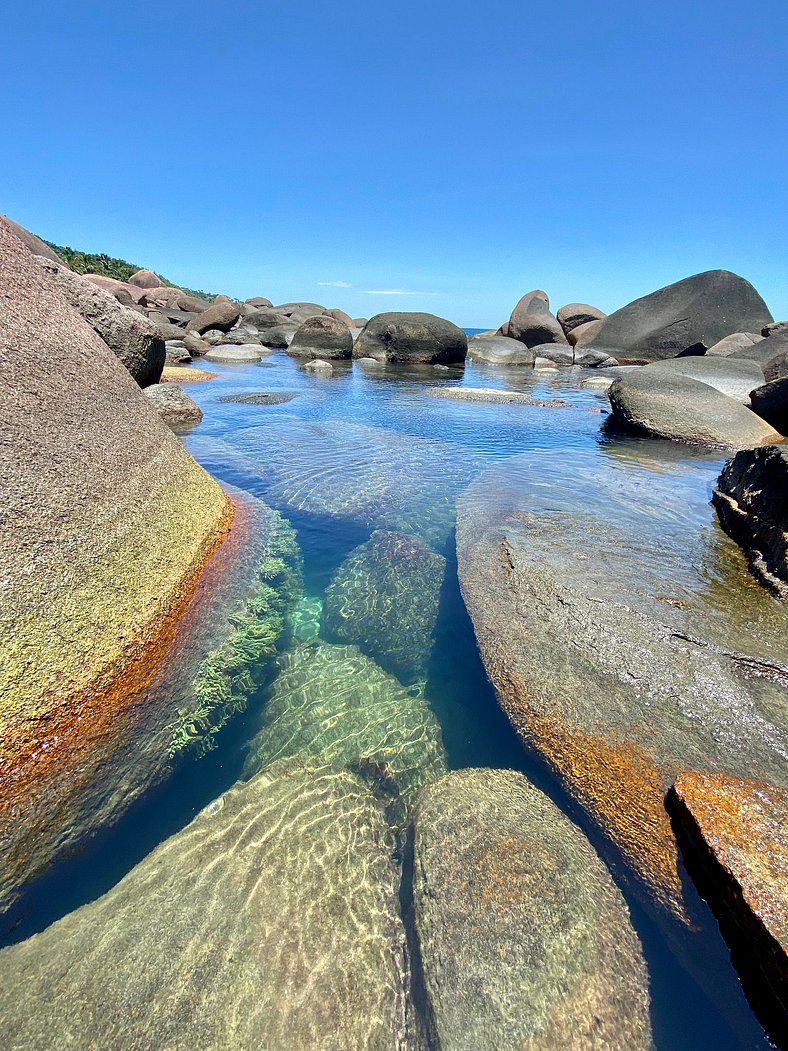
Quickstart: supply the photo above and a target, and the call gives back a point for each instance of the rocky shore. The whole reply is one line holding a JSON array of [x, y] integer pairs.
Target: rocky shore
[[352, 889]]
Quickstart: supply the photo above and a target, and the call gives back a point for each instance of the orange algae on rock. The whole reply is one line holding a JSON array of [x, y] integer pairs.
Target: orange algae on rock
[[734, 837]]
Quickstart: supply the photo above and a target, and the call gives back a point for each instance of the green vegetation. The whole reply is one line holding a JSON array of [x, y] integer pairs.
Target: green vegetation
[[232, 672], [109, 266]]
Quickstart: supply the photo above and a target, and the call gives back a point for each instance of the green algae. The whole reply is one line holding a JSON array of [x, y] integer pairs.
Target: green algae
[[232, 672]]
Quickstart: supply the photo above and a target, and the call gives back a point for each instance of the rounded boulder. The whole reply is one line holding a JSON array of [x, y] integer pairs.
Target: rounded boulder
[[405, 337], [322, 337]]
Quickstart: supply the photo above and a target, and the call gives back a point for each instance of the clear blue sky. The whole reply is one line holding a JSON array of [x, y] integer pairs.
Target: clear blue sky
[[466, 152]]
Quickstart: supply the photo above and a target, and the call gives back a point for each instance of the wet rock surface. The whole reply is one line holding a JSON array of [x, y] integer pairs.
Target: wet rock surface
[[336, 705], [262, 397], [384, 597], [494, 397], [751, 498], [525, 941], [270, 921], [734, 838], [621, 679]]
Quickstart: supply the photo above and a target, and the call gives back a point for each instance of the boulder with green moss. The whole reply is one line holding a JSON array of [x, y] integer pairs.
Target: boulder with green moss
[[384, 597]]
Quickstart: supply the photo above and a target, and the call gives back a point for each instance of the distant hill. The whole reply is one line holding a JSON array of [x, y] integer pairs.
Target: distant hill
[[109, 266]]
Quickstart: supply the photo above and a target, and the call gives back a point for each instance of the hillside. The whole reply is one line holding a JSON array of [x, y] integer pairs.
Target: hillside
[[109, 266]]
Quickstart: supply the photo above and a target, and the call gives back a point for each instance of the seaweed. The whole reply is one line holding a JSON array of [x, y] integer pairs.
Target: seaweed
[[237, 667]]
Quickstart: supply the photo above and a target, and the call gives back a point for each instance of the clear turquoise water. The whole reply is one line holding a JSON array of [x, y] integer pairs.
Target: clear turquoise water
[[365, 449]]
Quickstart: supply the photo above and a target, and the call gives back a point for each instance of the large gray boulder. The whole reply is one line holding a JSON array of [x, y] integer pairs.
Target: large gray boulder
[[494, 349], [532, 323], [174, 405], [575, 314], [664, 405], [384, 598], [266, 317], [751, 498], [340, 315], [322, 337], [134, 339], [735, 377], [271, 921], [405, 337], [624, 665], [687, 317], [222, 314], [770, 402], [258, 301], [584, 335], [525, 940], [335, 705]]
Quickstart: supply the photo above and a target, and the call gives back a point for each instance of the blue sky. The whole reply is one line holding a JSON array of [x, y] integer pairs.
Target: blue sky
[[453, 155]]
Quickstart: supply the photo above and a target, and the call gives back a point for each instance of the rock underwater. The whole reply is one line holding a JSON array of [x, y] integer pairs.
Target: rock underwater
[[384, 598], [525, 941], [624, 665], [271, 921]]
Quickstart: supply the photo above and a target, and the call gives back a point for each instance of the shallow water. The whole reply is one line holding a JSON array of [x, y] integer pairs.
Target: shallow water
[[365, 450]]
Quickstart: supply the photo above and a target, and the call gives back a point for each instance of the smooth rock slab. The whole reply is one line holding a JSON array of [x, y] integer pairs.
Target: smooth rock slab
[[662, 404], [232, 353], [628, 661], [734, 838], [525, 940], [271, 921], [335, 705], [495, 397], [733, 377], [499, 350], [751, 498], [384, 597], [262, 397]]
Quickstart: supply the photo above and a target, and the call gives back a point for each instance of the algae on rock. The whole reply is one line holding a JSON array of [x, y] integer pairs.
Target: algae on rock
[[333, 703], [384, 597], [232, 672]]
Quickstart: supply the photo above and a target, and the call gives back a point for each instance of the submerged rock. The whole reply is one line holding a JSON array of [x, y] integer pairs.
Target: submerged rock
[[354, 473], [117, 521], [404, 337], [134, 340], [525, 940], [261, 397], [319, 367], [687, 317], [628, 664], [270, 921], [734, 838], [384, 597], [174, 406], [495, 397], [334, 704], [663, 404], [751, 498]]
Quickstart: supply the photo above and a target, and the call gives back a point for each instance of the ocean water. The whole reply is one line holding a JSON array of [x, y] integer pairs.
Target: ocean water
[[365, 452]]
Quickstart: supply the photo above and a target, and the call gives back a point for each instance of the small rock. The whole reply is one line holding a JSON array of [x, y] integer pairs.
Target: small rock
[[319, 367], [174, 406]]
